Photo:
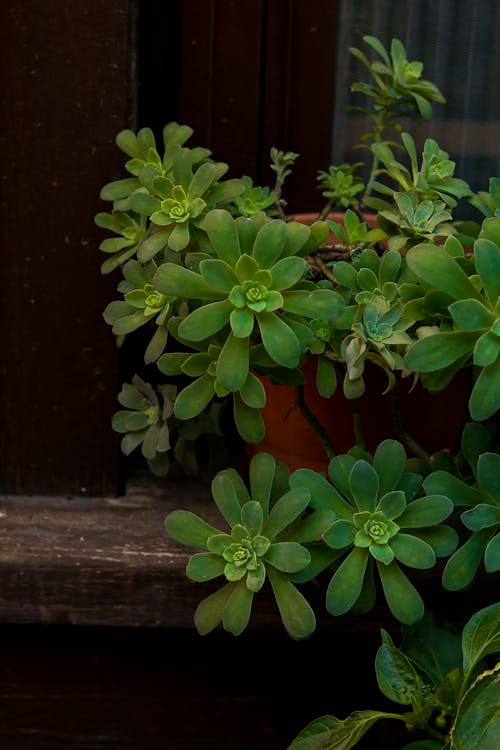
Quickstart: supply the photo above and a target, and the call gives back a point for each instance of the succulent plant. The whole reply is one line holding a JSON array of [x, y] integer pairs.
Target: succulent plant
[[474, 334], [433, 180], [340, 185], [145, 421], [254, 280], [253, 549], [410, 222], [381, 520]]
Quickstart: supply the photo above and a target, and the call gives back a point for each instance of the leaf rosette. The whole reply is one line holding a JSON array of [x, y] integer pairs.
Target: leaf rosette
[[252, 291], [381, 523], [254, 549]]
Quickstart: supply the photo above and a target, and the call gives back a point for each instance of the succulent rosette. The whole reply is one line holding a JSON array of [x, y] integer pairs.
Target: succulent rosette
[[252, 290], [381, 523], [145, 421], [254, 548], [480, 501]]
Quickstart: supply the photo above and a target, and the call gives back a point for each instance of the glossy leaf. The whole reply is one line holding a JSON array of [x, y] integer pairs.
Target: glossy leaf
[[481, 636], [477, 724], [398, 678]]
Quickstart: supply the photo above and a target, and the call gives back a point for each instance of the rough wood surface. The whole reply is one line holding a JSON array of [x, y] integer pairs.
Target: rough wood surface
[[109, 561]]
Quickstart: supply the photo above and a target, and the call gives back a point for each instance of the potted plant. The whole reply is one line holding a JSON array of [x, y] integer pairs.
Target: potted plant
[[237, 296]]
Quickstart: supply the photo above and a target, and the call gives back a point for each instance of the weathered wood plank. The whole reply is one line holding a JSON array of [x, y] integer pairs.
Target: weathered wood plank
[[109, 561]]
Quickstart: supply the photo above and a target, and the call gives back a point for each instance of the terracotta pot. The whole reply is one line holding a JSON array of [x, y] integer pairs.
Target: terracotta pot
[[435, 421]]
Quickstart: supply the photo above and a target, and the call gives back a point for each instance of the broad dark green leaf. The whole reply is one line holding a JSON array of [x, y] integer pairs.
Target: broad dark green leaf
[[477, 724], [481, 636], [399, 678], [329, 733]]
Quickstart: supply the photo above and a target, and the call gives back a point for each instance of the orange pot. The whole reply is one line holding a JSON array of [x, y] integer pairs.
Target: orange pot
[[435, 421]]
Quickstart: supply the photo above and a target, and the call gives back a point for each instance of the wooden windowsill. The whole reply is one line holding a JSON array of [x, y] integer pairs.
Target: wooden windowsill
[[109, 561]]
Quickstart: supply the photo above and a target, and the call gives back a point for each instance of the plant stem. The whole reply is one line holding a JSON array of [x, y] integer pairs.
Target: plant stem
[[323, 268], [315, 423], [407, 439], [325, 211], [357, 424]]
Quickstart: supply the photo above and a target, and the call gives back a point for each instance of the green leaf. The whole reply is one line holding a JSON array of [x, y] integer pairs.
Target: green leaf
[[252, 517], [471, 315], [434, 646], [269, 243], [205, 320], [226, 499], [485, 396], [204, 566], [323, 494], [412, 551], [487, 258], [403, 599], [210, 610], [397, 677], [262, 471], [218, 275], [178, 281], [252, 392], [188, 528], [232, 364], [340, 534], [433, 265], [238, 608], [289, 557], [477, 724], [279, 341], [329, 733], [223, 236], [326, 378], [318, 303], [248, 420], [194, 397], [440, 350], [492, 555], [389, 462], [426, 511], [462, 566], [347, 582], [482, 516], [481, 636], [296, 613], [285, 510], [392, 504], [287, 271], [364, 486]]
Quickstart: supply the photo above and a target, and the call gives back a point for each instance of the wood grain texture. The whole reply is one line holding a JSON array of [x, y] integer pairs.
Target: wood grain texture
[[65, 82], [109, 561]]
